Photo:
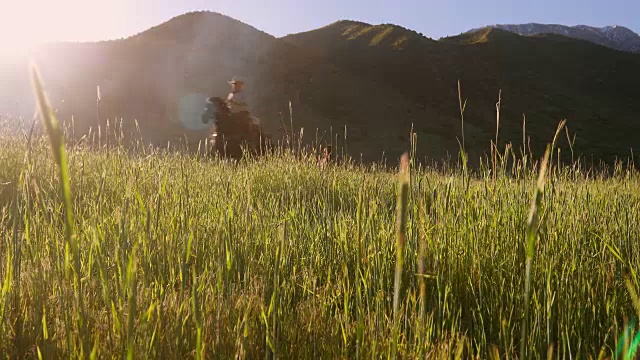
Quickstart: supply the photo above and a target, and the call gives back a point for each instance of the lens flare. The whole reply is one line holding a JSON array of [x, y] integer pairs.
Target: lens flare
[[191, 109]]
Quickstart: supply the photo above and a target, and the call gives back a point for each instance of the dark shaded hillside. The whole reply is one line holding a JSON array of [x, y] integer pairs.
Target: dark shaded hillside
[[377, 81], [145, 76], [546, 77]]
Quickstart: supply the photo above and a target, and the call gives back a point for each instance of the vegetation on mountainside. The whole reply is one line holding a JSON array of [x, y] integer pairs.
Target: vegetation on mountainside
[[378, 81], [546, 78]]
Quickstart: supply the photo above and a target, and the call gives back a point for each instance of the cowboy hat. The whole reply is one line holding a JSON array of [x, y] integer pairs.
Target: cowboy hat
[[234, 81]]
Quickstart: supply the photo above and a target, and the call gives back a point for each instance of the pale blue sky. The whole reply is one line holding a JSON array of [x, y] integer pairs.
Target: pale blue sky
[[82, 20]]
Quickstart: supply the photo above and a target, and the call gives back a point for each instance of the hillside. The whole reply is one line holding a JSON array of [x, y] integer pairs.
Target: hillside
[[615, 37], [376, 80], [546, 77], [146, 76]]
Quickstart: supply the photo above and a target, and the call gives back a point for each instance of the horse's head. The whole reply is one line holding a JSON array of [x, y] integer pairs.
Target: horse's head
[[219, 103]]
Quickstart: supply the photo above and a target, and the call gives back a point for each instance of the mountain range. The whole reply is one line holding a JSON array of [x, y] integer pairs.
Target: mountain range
[[615, 37], [360, 86]]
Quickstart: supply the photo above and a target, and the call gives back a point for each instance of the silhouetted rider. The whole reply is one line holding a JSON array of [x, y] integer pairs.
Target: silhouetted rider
[[234, 102], [235, 99]]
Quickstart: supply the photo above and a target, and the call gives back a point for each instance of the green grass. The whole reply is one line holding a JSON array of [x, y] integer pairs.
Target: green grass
[[168, 255]]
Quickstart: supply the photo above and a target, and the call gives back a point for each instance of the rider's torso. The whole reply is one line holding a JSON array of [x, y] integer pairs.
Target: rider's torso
[[237, 102]]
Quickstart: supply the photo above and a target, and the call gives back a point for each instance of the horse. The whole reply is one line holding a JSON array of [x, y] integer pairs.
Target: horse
[[234, 130]]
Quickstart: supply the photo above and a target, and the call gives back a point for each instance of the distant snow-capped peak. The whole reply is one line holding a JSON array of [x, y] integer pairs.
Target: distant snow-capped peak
[[613, 36]]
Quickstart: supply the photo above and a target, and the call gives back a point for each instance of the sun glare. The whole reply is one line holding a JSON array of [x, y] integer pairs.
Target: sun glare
[[26, 23]]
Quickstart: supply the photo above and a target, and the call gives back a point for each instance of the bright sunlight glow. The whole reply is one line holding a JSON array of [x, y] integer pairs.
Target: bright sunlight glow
[[25, 23]]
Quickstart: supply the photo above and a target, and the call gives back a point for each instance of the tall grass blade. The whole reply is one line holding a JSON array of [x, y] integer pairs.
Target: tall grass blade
[[56, 139], [401, 224], [530, 241]]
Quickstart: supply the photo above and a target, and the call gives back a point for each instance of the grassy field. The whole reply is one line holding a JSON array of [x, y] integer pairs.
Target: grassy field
[[160, 254]]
